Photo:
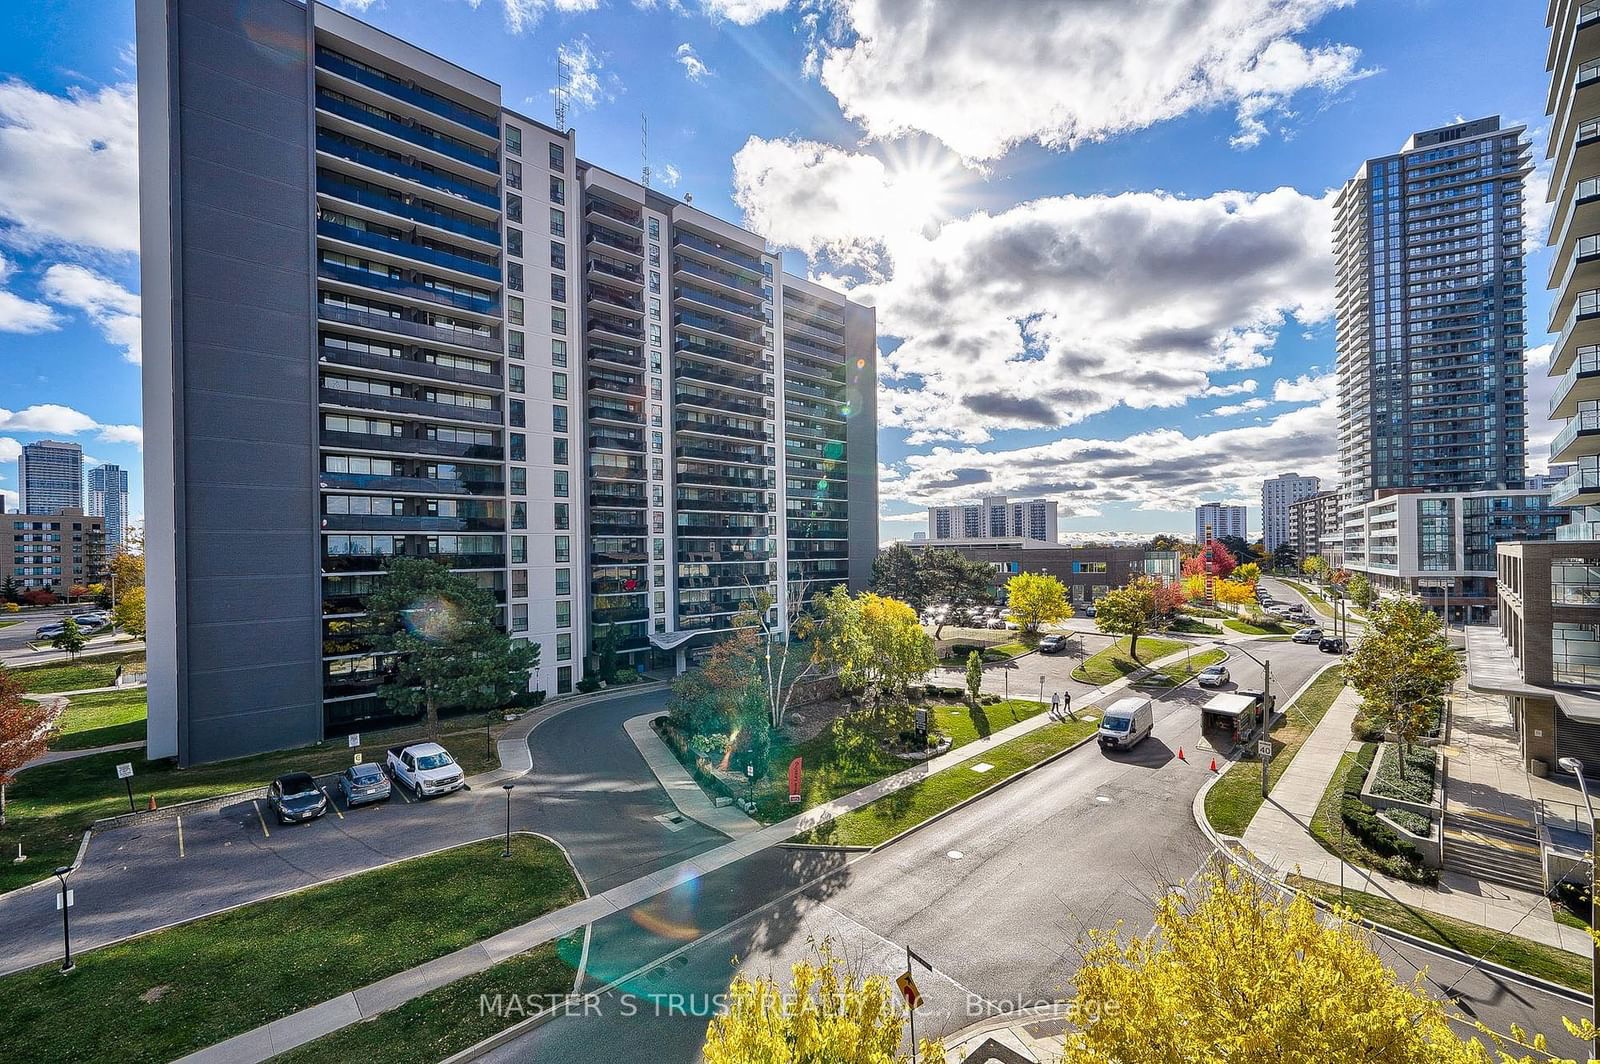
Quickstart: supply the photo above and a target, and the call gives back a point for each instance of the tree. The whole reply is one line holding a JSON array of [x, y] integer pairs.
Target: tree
[[781, 671], [9, 592], [875, 644], [1236, 973], [1314, 566], [1170, 598], [77, 591], [951, 580], [72, 640], [38, 597], [1132, 611], [1361, 591], [1036, 599], [129, 613], [604, 659], [828, 1014], [1248, 573], [1165, 542], [1237, 547], [435, 630], [1223, 562], [1402, 668], [974, 676], [26, 728], [897, 573], [1283, 556]]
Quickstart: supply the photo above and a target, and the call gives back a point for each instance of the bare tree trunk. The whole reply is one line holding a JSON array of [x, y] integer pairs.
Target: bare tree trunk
[[2, 805], [433, 713]]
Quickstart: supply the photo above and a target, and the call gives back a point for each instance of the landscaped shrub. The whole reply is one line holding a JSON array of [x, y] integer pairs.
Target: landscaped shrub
[[588, 684], [1574, 897], [1414, 782], [1395, 856]]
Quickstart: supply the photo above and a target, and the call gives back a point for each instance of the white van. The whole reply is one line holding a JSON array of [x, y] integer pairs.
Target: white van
[[1126, 723]]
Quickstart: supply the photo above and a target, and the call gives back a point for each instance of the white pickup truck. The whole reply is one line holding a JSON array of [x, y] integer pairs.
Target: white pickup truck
[[426, 768]]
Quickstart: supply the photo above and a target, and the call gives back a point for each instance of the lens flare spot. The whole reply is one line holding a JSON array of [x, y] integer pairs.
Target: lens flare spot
[[433, 618]]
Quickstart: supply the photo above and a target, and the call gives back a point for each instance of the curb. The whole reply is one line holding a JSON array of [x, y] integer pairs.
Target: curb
[[1229, 846]]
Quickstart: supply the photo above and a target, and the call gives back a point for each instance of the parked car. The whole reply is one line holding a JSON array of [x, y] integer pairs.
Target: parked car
[[49, 631], [361, 784], [1126, 723], [997, 623], [1088, 611], [426, 768], [1052, 644], [1307, 635], [1331, 644], [295, 797], [1213, 676]]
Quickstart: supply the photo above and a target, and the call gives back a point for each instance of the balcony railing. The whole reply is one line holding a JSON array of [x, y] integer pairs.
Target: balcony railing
[[341, 356], [716, 428], [1585, 367], [479, 452], [416, 210], [408, 523], [737, 256], [618, 441], [395, 246], [420, 136], [603, 294], [618, 241], [797, 344], [427, 101], [737, 281], [434, 179], [606, 209], [1586, 423], [395, 404], [620, 385], [731, 306], [410, 289], [615, 268], [607, 412], [1580, 482], [718, 454], [428, 485], [719, 402], [722, 352], [617, 500], [718, 326], [607, 323], [619, 356], [403, 327]]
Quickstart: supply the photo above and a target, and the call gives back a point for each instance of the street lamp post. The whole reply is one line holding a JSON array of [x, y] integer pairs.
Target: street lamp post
[[1574, 766], [1267, 708], [507, 788], [66, 926]]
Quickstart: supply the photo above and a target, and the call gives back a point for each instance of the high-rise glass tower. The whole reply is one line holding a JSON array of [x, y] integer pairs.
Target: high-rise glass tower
[[1428, 244], [108, 498], [50, 477]]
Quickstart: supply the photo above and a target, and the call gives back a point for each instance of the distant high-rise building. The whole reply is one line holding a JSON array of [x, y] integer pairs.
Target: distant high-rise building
[[50, 477], [108, 499], [1223, 521], [1032, 522], [1429, 292], [1314, 526], [1276, 497]]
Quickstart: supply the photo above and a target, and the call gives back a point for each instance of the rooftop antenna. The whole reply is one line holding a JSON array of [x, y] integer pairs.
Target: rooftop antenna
[[563, 88], [644, 150]]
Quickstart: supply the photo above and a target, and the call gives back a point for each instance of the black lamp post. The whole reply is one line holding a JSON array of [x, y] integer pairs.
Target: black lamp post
[[66, 926], [507, 788]]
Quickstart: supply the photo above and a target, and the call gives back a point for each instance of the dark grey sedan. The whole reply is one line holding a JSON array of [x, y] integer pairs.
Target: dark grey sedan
[[295, 797], [361, 784]]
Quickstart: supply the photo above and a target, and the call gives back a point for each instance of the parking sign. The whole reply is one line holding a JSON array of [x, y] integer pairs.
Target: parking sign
[[354, 740], [125, 770]]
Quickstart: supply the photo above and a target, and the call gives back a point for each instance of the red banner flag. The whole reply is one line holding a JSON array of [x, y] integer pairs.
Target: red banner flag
[[794, 780]]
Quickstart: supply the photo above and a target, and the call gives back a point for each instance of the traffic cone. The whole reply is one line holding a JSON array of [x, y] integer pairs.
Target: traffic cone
[[152, 803], [1180, 754], [1213, 769]]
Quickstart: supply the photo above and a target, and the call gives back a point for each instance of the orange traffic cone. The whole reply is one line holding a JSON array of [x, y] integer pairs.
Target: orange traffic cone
[[152, 803], [1180, 754], [1213, 768]]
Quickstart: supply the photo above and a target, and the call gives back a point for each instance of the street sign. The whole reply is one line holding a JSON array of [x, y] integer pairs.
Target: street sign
[[358, 757], [908, 990], [125, 770], [795, 771], [354, 740], [70, 900], [1264, 749]]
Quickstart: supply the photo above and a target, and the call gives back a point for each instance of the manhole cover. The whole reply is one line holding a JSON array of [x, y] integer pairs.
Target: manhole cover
[[1101, 798], [982, 766], [955, 855]]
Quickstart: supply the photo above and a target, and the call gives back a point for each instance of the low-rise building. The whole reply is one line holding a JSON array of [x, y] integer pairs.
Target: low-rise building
[[1088, 572], [51, 552], [1544, 655], [1441, 545]]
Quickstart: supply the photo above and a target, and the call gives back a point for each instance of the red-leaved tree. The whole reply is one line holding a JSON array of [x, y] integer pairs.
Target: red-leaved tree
[[38, 597], [1222, 562], [26, 728]]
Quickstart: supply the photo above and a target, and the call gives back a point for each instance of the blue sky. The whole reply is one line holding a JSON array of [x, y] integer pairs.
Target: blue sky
[[1036, 196]]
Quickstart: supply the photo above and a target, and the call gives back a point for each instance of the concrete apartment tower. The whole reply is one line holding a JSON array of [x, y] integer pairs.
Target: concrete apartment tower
[[1429, 291], [50, 477], [386, 316], [1277, 495], [108, 499], [1223, 520]]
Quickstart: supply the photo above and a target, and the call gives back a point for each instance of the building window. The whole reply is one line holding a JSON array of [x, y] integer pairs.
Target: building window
[[563, 516], [558, 288], [563, 581], [560, 483], [558, 321], [519, 413], [558, 222], [655, 254], [657, 469], [558, 157], [519, 515], [514, 310], [658, 549], [655, 308], [564, 613], [513, 174], [559, 452], [558, 385], [514, 241], [558, 189], [564, 673], [519, 617], [655, 228], [655, 334], [519, 480], [558, 353], [516, 343], [655, 442], [655, 387], [517, 376], [513, 140], [563, 548], [514, 276], [519, 583], [558, 419], [661, 601], [655, 281], [513, 208], [519, 447], [558, 255]]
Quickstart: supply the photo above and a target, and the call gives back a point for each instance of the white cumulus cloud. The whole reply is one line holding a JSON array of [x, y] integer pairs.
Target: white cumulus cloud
[[694, 68], [113, 309], [19, 315]]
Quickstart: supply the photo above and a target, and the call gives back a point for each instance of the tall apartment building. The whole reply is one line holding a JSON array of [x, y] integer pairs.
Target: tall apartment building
[[50, 477], [1223, 521], [108, 499], [1574, 192], [1313, 521], [1277, 495], [1429, 290], [389, 317], [51, 551], [1030, 523]]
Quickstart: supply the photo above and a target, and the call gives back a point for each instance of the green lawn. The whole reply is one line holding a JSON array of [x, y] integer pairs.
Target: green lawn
[[894, 813], [1232, 801], [1115, 662], [102, 719], [445, 1021], [50, 807], [988, 655], [1535, 958], [98, 670], [1270, 628], [848, 756], [1183, 671], [8, 624], [178, 990], [1193, 626], [1318, 603]]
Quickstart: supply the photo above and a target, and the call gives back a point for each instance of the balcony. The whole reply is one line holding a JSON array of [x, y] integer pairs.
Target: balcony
[[717, 402], [332, 271], [621, 414], [701, 478], [682, 238], [1571, 390], [819, 339], [720, 429], [604, 526], [420, 408], [614, 268], [738, 283], [1580, 437], [594, 205], [611, 298], [747, 313], [616, 356], [408, 523], [375, 563], [413, 209], [604, 382], [740, 357], [718, 531], [411, 445], [713, 503], [438, 334], [412, 485], [718, 326], [1582, 488], [631, 471], [405, 249], [602, 237], [416, 367], [722, 454], [832, 395], [619, 615], [458, 188], [617, 441], [620, 557], [419, 136], [797, 552], [605, 323], [793, 343], [617, 500], [689, 371], [815, 411], [427, 101]]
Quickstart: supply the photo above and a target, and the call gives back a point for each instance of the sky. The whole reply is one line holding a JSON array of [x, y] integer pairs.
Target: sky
[[1096, 232]]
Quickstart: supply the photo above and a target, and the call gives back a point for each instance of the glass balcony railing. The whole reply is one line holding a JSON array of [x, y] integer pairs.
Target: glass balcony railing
[[695, 345], [731, 306], [434, 179], [791, 342], [1586, 423], [691, 372], [619, 326], [1585, 367], [717, 325], [615, 268], [614, 240], [726, 404], [395, 246], [420, 136], [427, 485], [394, 404], [409, 523], [618, 385], [606, 209], [416, 210], [728, 278], [399, 286], [618, 356], [721, 454], [404, 327], [427, 101], [737, 256], [1580, 482], [833, 395], [717, 428]]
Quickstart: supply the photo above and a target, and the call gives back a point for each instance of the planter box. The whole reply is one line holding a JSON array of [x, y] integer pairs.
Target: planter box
[[1431, 849]]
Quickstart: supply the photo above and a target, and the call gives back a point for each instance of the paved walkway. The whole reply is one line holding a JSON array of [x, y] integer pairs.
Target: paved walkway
[[72, 755], [686, 794], [1280, 837], [299, 1028]]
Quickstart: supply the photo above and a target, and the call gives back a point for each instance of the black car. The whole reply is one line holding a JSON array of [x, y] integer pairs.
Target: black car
[[295, 797], [1332, 644]]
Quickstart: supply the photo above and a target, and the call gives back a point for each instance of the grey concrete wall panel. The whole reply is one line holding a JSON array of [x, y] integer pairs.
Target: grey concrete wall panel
[[861, 440]]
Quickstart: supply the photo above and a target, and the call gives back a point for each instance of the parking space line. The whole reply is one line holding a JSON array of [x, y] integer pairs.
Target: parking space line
[[401, 791], [257, 804], [331, 802], [180, 836]]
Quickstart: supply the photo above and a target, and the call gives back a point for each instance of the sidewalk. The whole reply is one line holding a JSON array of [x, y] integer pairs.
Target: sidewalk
[[307, 1025], [1279, 836]]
